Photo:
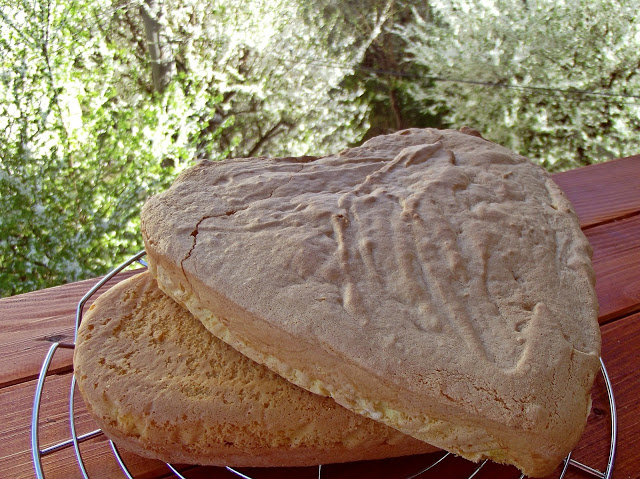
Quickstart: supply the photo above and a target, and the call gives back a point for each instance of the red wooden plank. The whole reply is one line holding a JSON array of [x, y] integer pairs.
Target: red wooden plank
[[15, 454], [621, 354], [604, 191], [31, 321], [616, 261]]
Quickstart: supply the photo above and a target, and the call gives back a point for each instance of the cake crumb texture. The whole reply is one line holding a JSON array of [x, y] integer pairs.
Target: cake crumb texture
[[159, 384]]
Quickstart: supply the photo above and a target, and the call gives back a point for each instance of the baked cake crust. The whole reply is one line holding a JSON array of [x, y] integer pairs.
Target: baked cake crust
[[431, 280], [159, 384]]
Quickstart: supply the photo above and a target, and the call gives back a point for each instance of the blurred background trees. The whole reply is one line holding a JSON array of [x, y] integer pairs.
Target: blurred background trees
[[558, 81], [103, 103]]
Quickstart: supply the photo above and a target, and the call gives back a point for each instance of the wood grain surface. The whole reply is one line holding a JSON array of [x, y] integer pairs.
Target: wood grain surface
[[607, 200], [616, 261], [30, 322], [603, 192]]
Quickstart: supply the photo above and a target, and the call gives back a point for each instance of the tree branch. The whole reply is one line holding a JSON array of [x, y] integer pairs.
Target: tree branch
[[162, 63], [273, 132]]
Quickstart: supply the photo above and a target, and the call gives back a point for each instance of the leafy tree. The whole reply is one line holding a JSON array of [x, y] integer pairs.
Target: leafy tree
[[556, 81], [102, 103], [381, 76], [280, 85], [77, 155]]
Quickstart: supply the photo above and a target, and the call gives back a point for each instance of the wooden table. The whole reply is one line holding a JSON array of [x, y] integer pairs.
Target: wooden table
[[607, 199]]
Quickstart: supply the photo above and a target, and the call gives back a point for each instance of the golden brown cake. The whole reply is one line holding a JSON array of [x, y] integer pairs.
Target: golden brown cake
[[431, 280], [159, 384]]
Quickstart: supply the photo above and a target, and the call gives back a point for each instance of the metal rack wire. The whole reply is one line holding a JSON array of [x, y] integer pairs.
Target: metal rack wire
[[75, 440]]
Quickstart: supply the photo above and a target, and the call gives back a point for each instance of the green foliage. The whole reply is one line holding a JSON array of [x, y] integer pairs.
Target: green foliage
[[383, 80], [573, 46], [76, 160], [86, 136], [276, 77], [103, 103]]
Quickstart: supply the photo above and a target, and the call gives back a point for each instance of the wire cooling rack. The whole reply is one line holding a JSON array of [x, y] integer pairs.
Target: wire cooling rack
[[76, 439]]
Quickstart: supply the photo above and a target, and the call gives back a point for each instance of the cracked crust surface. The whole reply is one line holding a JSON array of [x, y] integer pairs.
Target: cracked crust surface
[[161, 385], [429, 279]]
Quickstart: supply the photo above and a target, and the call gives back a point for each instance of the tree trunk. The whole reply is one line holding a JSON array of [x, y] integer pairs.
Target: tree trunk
[[395, 107], [160, 54]]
